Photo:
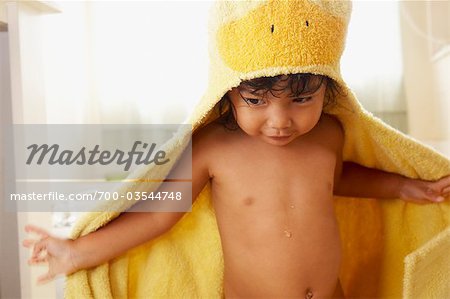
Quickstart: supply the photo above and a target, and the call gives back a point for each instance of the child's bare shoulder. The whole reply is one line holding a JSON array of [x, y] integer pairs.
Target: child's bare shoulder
[[331, 130], [332, 123], [212, 137]]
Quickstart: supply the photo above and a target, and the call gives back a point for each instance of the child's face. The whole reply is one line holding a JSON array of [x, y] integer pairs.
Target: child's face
[[278, 119]]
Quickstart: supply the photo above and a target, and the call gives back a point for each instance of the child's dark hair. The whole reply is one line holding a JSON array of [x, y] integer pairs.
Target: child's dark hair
[[297, 83]]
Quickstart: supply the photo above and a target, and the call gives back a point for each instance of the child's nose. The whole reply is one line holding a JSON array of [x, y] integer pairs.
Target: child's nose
[[279, 118]]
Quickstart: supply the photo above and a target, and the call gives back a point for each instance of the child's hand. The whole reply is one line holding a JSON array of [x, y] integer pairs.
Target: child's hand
[[57, 252], [421, 192]]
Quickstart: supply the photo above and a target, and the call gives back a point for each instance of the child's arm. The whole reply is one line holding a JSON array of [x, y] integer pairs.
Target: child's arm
[[355, 180], [126, 231]]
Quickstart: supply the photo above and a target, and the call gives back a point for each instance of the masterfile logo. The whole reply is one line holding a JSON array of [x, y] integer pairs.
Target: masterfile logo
[[95, 156], [82, 167]]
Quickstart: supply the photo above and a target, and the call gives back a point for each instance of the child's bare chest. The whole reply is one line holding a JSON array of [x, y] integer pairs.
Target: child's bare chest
[[258, 173], [271, 201], [274, 188]]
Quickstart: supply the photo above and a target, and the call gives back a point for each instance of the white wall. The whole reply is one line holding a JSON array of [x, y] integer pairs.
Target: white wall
[[426, 77], [28, 106], [9, 257]]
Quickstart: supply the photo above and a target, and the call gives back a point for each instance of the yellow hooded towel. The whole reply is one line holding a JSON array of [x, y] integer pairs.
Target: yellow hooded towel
[[250, 39]]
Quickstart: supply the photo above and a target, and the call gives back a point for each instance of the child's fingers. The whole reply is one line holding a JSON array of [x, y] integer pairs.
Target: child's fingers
[[433, 195], [37, 230], [29, 243], [439, 199], [446, 190], [39, 260], [45, 278], [443, 183], [38, 248]]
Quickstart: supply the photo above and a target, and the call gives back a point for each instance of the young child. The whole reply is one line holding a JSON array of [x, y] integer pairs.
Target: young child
[[272, 194], [273, 159]]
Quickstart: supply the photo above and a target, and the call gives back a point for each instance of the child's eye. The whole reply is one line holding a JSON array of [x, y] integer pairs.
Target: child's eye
[[254, 102], [302, 100]]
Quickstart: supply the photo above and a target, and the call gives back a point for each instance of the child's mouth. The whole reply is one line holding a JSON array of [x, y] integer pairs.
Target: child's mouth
[[280, 138]]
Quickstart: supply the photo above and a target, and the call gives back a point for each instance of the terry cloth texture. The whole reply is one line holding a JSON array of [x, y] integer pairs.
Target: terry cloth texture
[[250, 39], [426, 269]]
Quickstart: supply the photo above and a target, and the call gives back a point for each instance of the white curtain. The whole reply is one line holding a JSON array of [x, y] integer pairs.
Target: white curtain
[[372, 61], [146, 61], [125, 61]]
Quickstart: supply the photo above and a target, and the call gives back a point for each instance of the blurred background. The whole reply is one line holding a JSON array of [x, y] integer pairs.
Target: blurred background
[[143, 62]]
